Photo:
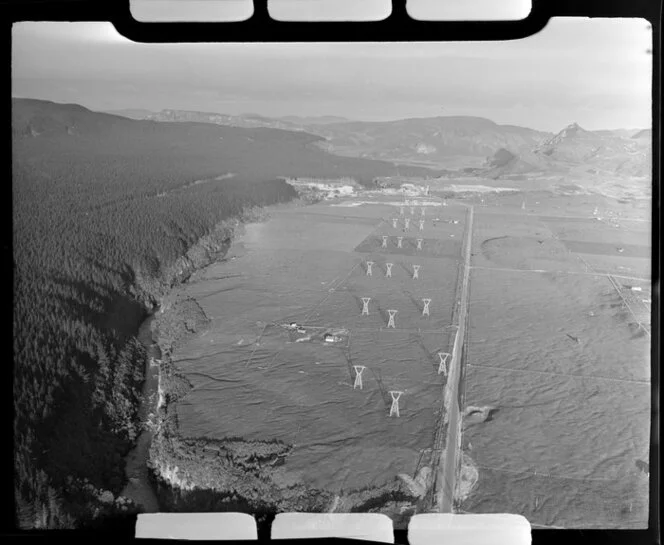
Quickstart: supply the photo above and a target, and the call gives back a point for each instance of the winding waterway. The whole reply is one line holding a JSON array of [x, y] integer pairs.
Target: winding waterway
[[139, 488]]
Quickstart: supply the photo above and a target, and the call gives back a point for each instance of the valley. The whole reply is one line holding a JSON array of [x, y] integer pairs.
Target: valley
[[261, 246]]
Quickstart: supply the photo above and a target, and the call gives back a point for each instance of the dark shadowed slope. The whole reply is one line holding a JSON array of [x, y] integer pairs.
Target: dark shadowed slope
[[217, 149], [103, 212], [504, 162], [432, 141]]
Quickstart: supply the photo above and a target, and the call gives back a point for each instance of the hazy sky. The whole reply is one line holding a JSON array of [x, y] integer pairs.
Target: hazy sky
[[592, 71]]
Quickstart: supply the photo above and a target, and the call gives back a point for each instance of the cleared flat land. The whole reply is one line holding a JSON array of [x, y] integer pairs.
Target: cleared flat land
[[564, 366], [555, 348], [253, 379]]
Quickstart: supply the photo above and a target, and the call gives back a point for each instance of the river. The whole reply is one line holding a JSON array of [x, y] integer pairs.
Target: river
[[138, 488]]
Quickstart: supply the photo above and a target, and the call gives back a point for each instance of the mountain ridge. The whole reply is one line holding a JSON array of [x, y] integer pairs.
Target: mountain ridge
[[334, 119], [257, 152], [454, 142], [575, 149]]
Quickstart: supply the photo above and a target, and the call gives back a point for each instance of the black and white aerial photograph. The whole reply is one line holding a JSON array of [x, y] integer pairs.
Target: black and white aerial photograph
[[333, 277]]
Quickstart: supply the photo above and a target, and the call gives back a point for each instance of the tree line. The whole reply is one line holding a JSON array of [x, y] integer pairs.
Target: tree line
[[85, 225]]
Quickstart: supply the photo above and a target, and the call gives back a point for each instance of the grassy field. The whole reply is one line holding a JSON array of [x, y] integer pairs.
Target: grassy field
[[554, 351], [560, 360], [253, 378]]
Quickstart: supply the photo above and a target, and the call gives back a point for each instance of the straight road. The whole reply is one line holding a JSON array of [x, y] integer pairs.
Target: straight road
[[450, 455]]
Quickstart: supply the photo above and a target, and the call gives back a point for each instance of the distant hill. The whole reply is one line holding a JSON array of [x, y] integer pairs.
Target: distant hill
[[623, 133], [247, 120], [455, 142], [34, 118], [575, 144], [257, 152], [131, 114], [504, 162], [577, 150], [436, 140], [645, 134], [314, 120], [243, 120]]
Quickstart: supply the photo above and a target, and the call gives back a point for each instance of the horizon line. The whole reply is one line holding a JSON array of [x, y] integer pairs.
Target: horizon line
[[347, 119]]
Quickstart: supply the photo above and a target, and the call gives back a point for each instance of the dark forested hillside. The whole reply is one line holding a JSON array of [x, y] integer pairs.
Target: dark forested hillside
[[103, 208], [62, 131]]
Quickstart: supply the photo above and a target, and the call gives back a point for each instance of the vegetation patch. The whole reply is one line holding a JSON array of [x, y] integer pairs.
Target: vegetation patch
[[95, 250]]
